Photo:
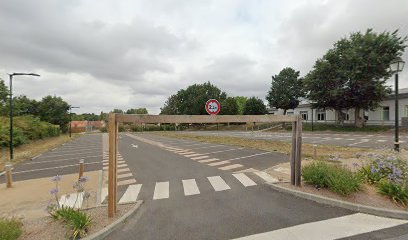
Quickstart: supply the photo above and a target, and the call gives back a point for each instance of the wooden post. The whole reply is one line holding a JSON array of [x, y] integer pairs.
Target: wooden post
[[9, 177], [81, 168], [293, 154], [315, 152], [298, 158], [113, 127]]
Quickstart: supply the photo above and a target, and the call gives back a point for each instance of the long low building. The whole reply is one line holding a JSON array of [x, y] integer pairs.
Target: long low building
[[383, 115]]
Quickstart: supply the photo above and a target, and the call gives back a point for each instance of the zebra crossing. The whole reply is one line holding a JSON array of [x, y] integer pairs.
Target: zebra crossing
[[162, 189]]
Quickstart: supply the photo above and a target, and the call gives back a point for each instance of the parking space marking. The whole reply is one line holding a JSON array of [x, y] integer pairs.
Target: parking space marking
[[218, 163], [60, 160], [199, 158], [47, 156], [228, 150], [65, 166], [253, 155], [208, 160]]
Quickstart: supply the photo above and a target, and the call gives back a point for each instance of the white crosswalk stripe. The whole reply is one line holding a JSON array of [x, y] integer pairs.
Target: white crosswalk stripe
[[131, 193], [218, 183], [161, 190], [198, 158], [208, 160], [266, 177], [334, 228], [230, 167], [218, 163], [193, 155], [244, 179], [190, 187]]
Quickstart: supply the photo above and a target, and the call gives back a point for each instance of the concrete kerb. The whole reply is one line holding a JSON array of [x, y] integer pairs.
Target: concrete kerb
[[101, 234], [382, 212]]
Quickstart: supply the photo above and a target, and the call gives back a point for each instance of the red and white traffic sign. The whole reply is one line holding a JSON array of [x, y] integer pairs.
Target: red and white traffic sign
[[213, 107]]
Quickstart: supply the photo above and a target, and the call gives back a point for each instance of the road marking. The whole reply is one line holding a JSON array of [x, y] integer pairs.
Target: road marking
[[73, 200], [254, 155], [131, 193], [228, 150], [334, 228], [48, 156], [266, 177], [59, 160], [244, 179], [209, 147], [198, 158], [125, 175], [229, 167], [106, 163], [43, 169], [218, 163], [104, 194], [190, 187], [381, 140], [218, 183], [186, 153], [362, 141], [85, 149], [161, 190], [118, 166], [135, 146], [208, 160], [123, 170], [127, 182], [193, 155]]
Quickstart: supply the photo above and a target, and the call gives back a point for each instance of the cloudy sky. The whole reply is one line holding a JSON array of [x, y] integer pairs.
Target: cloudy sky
[[104, 54]]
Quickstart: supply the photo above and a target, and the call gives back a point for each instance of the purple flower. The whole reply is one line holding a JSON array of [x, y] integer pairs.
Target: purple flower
[[83, 179], [56, 178], [54, 191], [372, 169]]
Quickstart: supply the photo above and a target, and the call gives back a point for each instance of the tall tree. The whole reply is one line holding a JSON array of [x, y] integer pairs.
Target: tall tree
[[54, 110], [229, 106], [3, 97], [286, 90], [137, 111], [117, 110], [254, 106], [22, 105], [241, 100], [353, 73], [191, 101]]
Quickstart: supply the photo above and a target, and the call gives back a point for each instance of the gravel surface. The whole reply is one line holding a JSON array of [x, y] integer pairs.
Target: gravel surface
[[46, 228]]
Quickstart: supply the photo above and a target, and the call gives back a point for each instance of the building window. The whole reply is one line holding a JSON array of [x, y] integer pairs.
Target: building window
[[386, 113], [347, 116], [304, 115], [289, 113], [321, 115]]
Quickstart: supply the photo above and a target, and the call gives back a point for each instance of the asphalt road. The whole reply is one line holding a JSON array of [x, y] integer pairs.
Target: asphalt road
[[363, 140], [188, 199]]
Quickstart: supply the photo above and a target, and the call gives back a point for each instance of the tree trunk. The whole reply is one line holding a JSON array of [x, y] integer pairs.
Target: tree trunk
[[341, 116], [358, 120]]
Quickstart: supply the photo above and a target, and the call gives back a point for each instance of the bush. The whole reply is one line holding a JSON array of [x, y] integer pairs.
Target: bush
[[77, 221], [396, 191], [10, 228], [338, 179], [344, 182], [382, 168]]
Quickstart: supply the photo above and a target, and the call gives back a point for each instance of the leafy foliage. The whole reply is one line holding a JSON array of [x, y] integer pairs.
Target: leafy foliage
[[336, 178], [10, 228], [229, 106], [286, 90], [353, 73], [254, 106], [54, 110], [137, 111], [77, 221], [191, 101], [241, 100], [385, 168], [3, 97], [396, 191]]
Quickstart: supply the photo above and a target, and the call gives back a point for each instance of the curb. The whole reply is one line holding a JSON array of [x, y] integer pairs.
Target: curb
[[382, 212], [101, 234]]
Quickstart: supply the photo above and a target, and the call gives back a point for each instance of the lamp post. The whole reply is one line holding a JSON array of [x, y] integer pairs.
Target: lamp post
[[11, 107], [396, 66], [70, 119]]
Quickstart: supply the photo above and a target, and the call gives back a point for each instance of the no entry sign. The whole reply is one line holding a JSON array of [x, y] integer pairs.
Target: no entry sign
[[213, 107]]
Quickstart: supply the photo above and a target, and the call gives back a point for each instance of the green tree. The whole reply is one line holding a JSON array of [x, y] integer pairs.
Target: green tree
[[137, 111], [241, 100], [3, 97], [22, 105], [117, 110], [229, 106], [191, 101], [254, 106], [286, 90], [353, 73], [54, 110]]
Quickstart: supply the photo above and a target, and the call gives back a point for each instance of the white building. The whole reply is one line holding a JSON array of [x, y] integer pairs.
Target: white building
[[383, 115]]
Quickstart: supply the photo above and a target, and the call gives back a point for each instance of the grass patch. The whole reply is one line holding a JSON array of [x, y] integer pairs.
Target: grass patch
[[77, 221], [323, 151], [10, 228], [336, 178], [395, 191], [30, 150]]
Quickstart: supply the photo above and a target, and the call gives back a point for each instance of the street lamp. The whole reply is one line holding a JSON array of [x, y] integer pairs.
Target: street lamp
[[396, 66], [11, 107], [70, 119]]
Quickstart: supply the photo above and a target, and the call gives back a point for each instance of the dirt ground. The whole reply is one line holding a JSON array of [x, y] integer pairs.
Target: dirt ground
[[29, 199]]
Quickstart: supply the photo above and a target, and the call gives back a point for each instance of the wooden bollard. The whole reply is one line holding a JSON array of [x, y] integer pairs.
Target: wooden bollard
[[81, 168], [9, 177], [315, 152]]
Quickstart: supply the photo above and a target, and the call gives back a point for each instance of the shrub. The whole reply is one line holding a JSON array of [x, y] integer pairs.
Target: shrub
[[338, 179], [10, 228], [396, 191], [77, 221], [381, 168], [316, 174], [342, 181]]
